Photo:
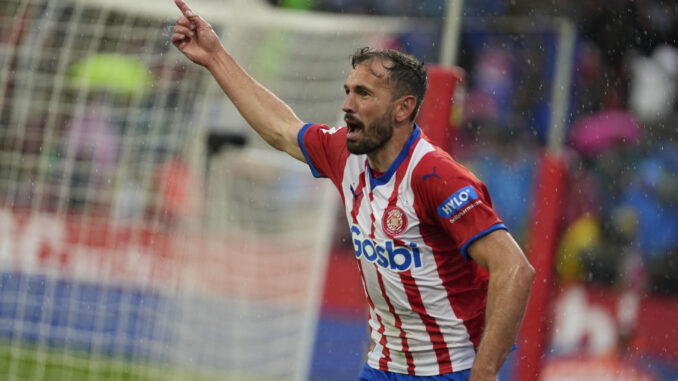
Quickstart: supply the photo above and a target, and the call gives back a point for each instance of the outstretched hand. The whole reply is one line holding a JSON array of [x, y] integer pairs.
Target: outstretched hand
[[194, 37]]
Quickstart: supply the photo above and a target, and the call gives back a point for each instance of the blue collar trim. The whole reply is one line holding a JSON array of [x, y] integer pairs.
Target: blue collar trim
[[386, 177]]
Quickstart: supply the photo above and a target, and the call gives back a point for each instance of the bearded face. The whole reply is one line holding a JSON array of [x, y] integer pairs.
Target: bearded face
[[362, 139]]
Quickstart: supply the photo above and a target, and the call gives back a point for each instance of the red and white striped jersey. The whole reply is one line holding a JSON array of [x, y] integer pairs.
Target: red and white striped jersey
[[410, 228]]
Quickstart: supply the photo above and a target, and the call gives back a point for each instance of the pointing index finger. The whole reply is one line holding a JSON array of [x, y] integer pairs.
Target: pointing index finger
[[185, 9]]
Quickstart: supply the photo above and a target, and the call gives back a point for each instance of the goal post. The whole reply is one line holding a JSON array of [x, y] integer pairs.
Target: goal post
[[546, 218], [134, 244]]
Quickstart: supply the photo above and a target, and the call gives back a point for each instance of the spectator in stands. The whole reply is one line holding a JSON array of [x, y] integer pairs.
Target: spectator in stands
[[605, 146], [654, 89], [177, 188], [581, 219], [92, 139], [653, 198]]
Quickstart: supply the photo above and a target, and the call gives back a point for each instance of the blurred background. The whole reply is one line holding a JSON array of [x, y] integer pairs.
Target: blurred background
[[147, 234]]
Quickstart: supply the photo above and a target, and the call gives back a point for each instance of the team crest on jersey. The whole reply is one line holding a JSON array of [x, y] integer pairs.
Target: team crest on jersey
[[394, 221]]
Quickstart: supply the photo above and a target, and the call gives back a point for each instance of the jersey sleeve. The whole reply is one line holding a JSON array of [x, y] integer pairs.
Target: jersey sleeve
[[324, 149], [455, 200]]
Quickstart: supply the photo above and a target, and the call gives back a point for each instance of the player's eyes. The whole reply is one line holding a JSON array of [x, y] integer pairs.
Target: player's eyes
[[360, 92]]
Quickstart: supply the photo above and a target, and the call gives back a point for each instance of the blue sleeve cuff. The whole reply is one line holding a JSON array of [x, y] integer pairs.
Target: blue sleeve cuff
[[300, 141], [464, 249]]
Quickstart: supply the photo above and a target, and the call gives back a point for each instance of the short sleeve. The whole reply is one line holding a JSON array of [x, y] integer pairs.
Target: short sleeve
[[455, 200], [324, 149]]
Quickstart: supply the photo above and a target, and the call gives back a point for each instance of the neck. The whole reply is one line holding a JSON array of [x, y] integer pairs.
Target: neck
[[382, 158]]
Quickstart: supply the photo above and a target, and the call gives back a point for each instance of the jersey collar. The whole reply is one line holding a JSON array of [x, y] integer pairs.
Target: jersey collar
[[386, 177]]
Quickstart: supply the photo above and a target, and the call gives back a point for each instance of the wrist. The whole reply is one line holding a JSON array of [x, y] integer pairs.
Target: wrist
[[483, 372], [217, 61]]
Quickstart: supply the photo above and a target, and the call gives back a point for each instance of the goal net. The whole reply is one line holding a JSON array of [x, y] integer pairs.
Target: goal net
[[138, 240]]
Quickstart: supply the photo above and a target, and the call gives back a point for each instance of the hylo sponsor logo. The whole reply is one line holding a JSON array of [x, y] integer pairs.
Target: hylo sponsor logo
[[457, 201]]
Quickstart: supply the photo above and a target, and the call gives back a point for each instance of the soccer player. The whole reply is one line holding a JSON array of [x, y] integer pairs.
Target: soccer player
[[446, 284]]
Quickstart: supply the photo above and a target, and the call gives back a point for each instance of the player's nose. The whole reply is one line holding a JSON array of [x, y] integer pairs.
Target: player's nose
[[349, 104]]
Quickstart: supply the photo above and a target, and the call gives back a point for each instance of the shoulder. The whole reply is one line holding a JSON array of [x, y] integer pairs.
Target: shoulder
[[324, 149], [437, 169], [322, 138], [322, 130]]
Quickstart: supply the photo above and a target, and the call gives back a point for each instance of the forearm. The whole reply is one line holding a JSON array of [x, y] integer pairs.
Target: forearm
[[268, 115], [506, 302]]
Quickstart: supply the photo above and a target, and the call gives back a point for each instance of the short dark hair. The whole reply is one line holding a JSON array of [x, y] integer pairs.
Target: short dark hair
[[407, 73]]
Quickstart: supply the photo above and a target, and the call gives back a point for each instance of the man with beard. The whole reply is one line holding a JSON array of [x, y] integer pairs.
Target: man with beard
[[445, 282]]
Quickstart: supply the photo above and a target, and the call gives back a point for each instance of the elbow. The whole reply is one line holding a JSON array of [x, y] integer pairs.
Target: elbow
[[277, 145], [284, 136], [519, 273], [276, 140], [526, 272]]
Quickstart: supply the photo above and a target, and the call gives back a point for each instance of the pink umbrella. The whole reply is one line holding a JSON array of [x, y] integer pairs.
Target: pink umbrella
[[595, 133]]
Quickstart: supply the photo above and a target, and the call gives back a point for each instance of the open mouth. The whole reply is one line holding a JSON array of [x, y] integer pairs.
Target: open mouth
[[354, 127]]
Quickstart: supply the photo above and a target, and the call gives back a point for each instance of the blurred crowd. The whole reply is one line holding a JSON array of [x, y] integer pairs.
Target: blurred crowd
[[620, 219]]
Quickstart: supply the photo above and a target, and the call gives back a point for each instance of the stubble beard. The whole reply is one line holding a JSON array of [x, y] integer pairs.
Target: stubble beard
[[373, 136]]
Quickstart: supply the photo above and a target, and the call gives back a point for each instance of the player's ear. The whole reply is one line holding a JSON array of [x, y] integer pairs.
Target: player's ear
[[404, 107]]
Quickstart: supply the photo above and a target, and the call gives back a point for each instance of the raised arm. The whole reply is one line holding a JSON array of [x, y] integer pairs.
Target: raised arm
[[267, 114], [511, 278]]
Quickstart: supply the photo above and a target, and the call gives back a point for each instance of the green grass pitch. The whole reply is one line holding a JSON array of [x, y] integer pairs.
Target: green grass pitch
[[25, 362]]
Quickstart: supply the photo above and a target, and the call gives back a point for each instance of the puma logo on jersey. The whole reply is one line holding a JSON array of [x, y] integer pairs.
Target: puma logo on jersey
[[388, 256], [457, 201], [433, 174]]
